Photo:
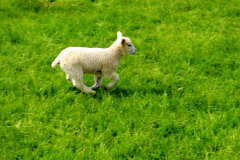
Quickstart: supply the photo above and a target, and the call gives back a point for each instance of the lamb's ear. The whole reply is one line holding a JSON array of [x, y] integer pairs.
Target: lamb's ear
[[119, 35], [123, 41]]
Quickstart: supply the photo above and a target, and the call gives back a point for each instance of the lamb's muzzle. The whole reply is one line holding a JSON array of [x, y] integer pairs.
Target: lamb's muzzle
[[75, 61]]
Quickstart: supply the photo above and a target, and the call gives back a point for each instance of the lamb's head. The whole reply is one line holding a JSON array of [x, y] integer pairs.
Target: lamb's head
[[126, 43]]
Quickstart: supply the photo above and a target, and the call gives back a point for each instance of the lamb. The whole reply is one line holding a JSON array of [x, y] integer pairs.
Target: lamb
[[75, 61]]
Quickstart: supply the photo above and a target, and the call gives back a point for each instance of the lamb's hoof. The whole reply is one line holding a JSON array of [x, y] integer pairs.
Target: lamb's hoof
[[94, 87], [106, 88], [89, 92], [93, 93]]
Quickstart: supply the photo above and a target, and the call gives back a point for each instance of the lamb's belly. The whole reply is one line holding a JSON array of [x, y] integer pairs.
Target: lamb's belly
[[95, 72], [90, 68]]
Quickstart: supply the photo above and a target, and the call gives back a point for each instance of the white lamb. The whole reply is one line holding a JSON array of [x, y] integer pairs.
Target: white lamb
[[75, 61]]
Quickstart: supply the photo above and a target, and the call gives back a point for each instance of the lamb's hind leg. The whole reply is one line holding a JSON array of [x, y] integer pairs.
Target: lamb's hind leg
[[98, 81], [77, 80], [80, 85], [114, 77]]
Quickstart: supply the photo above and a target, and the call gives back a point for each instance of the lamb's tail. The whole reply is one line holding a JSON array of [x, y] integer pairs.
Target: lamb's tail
[[56, 62]]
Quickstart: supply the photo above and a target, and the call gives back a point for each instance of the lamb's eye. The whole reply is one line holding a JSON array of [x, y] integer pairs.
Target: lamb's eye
[[129, 45]]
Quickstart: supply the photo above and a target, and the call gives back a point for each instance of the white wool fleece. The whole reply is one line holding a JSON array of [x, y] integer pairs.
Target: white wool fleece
[[75, 61]]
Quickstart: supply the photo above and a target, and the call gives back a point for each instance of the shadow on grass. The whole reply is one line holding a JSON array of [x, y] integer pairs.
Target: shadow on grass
[[119, 91], [75, 89], [123, 92]]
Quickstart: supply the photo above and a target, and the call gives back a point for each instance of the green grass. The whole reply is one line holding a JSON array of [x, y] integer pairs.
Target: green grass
[[178, 97]]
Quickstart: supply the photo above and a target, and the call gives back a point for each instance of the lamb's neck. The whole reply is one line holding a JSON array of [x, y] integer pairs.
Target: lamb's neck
[[116, 51]]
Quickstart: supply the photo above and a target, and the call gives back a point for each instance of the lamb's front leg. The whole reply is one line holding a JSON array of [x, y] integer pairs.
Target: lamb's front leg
[[98, 81], [69, 78], [114, 77]]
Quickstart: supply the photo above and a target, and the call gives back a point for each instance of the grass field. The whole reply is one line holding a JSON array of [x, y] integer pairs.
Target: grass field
[[178, 97]]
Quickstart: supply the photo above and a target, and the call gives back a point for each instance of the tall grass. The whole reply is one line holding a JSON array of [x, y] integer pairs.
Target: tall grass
[[177, 98]]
